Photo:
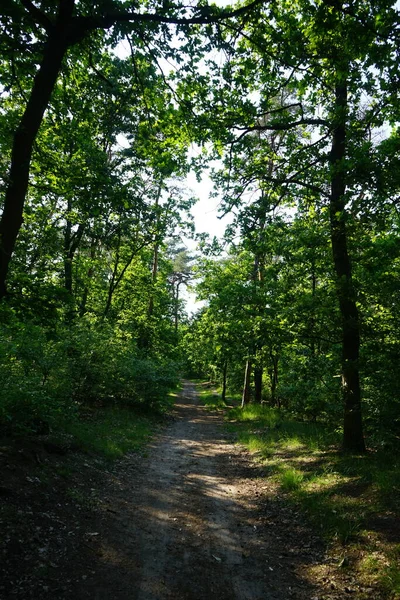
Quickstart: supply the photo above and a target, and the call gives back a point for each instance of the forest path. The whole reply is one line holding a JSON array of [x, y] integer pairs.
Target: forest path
[[193, 521]]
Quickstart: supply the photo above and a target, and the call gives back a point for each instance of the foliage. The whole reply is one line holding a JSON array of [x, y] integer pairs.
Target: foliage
[[307, 129], [47, 375]]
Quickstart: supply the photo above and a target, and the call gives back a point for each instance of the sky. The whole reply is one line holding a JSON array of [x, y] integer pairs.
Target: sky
[[205, 214], [205, 211]]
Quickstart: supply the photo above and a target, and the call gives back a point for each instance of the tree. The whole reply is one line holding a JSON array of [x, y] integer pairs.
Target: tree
[[318, 59], [58, 29]]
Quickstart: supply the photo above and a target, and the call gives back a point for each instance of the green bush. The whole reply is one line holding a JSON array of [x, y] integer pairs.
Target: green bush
[[47, 374]]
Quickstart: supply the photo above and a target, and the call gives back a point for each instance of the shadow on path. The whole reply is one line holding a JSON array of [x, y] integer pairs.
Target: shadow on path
[[192, 521]]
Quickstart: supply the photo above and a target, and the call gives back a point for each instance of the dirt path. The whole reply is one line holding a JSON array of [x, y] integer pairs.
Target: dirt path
[[195, 519], [187, 523]]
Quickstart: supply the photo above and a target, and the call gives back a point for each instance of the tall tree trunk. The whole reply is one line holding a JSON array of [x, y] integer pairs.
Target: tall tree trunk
[[246, 385], [85, 295], [258, 374], [114, 276], [312, 320], [71, 244], [43, 85], [258, 278], [176, 308], [68, 257], [156, 248], [154, 272], [353, 439], [274, 378], [144, 341], [224, 377]]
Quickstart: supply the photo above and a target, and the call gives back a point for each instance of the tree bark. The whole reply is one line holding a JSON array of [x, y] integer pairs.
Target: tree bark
[[258, 373], [154, 272], [353, 439], [71, 244], [224, 377], [274, 378], [246, 385], [176, 308], [24, 138], [154, 269], [90, 272], [312, 320]]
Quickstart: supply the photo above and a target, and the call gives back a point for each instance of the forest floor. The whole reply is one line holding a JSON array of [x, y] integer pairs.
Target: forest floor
[[193, 518]]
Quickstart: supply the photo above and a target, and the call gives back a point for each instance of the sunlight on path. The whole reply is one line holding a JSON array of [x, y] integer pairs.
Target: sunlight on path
[[188, 525]]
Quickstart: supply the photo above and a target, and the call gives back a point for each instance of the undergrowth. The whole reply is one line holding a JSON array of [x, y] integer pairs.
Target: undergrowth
[[113, 431]]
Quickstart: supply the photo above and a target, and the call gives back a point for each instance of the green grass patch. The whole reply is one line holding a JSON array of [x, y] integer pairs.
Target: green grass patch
[[112, 432], [211, 398], [264, 416], [211, 395], [350, 500], [390, 577], [291, 479]]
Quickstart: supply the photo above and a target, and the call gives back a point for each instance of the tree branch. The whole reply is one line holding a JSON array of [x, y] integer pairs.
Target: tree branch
[[282, 126], [38, 15], [206, 16]]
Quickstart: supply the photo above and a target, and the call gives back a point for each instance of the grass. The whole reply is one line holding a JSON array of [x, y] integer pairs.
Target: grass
[[113, 432], [390, 577], [211, 399], [291, 479], [352, 501]]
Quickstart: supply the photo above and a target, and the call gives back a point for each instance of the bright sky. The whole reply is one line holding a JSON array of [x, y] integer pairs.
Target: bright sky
[[205, 213]]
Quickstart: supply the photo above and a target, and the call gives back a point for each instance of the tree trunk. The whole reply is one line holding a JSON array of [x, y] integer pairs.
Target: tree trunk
[[154, 272], [156, 248], [68, 257], [274, 378], [71, 244], [353, 439], [114, 277], [224, 376], [258, 373], [246, 385], [176, 309], [21, 154], [312, 320], [83, 303], [144, 341]]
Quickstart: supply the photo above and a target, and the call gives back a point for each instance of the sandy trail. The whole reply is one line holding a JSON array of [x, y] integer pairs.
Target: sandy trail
[[195, 517], [187, 523]]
